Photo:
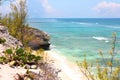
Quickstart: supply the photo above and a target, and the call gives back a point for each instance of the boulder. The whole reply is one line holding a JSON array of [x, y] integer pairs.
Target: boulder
[[39, 40]]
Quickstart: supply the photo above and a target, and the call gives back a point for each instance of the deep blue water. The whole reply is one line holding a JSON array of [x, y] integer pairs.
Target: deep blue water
[[74, 37]]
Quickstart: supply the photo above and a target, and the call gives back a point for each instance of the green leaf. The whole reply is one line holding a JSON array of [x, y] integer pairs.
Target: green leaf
[[16, 57], [38, 58], [31, 57], [19, 51], [23, 58], [9, 51], [2, 59]]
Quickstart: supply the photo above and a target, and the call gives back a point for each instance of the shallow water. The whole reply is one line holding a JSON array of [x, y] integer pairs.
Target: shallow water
[[74, 37]]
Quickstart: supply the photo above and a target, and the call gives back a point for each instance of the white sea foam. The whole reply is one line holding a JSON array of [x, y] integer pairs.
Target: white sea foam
[[52, 46], [83, 23], [101, 38]]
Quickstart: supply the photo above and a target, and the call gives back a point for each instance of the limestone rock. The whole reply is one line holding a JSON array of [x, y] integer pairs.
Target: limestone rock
[[12, 63], [27, 66], [33, 67], [40, 39], [10, 42]]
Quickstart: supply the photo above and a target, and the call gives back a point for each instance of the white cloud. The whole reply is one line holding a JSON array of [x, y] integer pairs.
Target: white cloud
[[47, 7], [108, 8]]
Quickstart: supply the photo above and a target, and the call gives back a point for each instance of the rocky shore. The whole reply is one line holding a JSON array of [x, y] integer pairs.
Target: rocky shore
[[55, 62], [43, 69], [39, 40]]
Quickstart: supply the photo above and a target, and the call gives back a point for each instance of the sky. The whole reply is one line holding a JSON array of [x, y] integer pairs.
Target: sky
[[73, 8]]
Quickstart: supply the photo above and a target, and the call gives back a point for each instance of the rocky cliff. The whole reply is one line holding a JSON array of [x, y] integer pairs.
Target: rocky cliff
[[10, 42], [39, 39]]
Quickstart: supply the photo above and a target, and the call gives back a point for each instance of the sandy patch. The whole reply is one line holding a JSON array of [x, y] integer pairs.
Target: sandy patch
[[69, 71], [8, 73]]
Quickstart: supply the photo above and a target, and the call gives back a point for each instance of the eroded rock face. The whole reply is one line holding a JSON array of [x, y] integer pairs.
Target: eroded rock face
[[40, 39], [10, 42]]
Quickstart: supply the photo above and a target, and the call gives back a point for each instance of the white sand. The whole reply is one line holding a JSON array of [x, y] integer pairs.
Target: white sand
[[8, 73], [69, 71]]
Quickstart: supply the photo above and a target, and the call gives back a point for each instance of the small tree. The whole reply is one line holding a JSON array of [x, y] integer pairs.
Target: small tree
[[16, 20]]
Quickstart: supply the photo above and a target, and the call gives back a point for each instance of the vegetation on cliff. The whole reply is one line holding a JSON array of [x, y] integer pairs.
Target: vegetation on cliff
[[25, 57], [15, 20]]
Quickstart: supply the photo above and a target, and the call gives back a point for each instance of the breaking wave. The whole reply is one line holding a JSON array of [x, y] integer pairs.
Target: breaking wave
[[101, 38]]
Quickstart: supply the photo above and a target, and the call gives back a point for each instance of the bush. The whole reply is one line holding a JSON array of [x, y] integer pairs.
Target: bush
[[16, 21], [19, 57]]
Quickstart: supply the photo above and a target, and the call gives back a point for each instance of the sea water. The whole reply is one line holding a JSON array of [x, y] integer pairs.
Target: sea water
[[76, 37]]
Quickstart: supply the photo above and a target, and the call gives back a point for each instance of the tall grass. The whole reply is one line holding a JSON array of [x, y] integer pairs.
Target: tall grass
[[16, 20]]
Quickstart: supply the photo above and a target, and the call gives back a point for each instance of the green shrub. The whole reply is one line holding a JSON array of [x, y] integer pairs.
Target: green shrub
[[20, 57], [2, 59], [16, 21]]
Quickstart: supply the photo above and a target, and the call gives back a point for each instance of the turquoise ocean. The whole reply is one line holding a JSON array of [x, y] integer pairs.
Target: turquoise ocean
[[75, 37]]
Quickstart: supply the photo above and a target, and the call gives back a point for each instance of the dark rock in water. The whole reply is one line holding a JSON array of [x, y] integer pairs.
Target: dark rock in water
[[40, 39], [36, 44]]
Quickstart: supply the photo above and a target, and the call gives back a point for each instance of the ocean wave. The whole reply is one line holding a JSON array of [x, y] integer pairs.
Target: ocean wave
[[101, 38], [52, 46], [85, 23], [82, 23]]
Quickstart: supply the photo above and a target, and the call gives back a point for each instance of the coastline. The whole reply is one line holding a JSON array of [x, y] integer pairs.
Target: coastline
[[69, 70]]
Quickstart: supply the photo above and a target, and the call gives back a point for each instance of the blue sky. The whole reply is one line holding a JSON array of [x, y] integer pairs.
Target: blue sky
[[73, 8]]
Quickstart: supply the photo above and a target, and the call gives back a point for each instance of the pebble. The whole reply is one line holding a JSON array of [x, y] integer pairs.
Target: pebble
[[33, 67]]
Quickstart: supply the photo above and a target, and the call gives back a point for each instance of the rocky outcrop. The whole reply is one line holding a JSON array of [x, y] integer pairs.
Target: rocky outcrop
[[10, 42], [39, 40]]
